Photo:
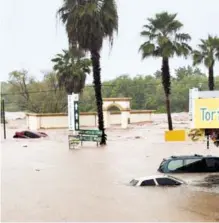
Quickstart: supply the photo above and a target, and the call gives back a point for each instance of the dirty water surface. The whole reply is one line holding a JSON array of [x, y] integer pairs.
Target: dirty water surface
[[44, 181]]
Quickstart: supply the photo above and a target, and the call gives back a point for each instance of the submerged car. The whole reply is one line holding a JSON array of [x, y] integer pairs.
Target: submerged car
[[189, 164], [159, 180], [29, 134]]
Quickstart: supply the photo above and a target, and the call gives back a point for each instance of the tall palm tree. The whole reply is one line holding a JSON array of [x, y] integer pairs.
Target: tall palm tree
[[88, 23], [164, 40], [71, 67], [207, 53]]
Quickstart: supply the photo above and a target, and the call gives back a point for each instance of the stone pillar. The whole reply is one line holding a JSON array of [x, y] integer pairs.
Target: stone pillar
[[106, 116], [124, 118]]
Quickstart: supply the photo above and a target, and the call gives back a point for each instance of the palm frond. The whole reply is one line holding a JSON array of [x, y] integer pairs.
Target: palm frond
[[183, 37], [89, 22], [147, 49], [162, 32], [109, 19], [198, 57], [208, 51], [71, 70]]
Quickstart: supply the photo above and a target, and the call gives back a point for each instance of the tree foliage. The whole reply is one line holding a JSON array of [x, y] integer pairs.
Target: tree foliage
[[164, 40], [207, 53], [72, 68], [88, 23], [146, 92]]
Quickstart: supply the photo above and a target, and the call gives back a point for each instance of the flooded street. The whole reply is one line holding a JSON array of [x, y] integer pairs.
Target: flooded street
[[44, 181]]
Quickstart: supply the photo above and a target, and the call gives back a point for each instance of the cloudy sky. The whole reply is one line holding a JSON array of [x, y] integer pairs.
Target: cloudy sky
[[31, 35]]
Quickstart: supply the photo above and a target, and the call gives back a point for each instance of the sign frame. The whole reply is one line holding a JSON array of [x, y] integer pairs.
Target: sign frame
[[194, 95], [206, 113]]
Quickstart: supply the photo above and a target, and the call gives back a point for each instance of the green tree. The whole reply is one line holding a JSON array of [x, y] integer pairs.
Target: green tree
[[71, 67], [20, 82], [53, 99], [183, 72], [208, 53], [164, 40], [25, 93], [146, 92], [88, 23]]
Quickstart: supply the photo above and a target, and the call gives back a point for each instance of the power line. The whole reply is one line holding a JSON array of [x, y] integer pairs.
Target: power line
[[103, 85]]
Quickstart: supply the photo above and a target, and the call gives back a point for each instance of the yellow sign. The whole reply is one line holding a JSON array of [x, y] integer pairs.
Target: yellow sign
[[206, 113], [196, 134]]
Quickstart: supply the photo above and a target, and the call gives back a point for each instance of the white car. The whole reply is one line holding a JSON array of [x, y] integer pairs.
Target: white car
[[159, 180]]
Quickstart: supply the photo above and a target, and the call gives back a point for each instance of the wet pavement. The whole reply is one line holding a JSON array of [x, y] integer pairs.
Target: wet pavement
[[44, 181]]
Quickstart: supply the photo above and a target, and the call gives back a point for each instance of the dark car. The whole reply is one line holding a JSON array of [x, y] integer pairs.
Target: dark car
[[189, 164]]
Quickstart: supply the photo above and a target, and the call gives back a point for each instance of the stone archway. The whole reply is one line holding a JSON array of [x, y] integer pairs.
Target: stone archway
[[123, 104]]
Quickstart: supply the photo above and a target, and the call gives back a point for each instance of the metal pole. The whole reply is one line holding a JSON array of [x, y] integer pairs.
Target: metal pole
[[207, 141], [3, 117]]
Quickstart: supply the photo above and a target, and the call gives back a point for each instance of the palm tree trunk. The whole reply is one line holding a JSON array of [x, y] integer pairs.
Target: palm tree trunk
[[211, 78], [166, 81], [95, 57]]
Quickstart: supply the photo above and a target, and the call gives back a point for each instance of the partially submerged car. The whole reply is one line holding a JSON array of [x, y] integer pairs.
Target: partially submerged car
[[189, 164], [159, 180], [29, 134]]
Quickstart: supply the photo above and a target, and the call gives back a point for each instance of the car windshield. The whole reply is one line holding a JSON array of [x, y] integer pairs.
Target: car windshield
[[133, 182], [162, 163]]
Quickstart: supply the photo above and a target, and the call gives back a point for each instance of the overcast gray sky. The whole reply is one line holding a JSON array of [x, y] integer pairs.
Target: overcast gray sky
[[30, 35]]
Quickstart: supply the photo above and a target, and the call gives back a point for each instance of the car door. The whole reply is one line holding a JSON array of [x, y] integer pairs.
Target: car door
[[212, 164], [194, 165]]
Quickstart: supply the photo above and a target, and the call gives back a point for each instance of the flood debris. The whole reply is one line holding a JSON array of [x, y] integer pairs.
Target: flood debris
[[209, 181], [137, 137]]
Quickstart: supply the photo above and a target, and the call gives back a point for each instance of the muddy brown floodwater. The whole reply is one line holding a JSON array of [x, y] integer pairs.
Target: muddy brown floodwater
[[43, 181]]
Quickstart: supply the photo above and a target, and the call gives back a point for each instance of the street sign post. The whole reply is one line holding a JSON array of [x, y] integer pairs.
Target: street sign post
[[70, 113], [73, 112], [90, 135], [83, 135], [73, 141], [204, 112]]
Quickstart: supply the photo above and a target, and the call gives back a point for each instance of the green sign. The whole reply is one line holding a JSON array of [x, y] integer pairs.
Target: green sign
[[74, 140], [90, 132], [92, 138]]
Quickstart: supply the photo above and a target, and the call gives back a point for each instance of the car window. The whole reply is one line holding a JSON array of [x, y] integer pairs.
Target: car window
[[148, 183], [212, 163], [190, 161], [166, 181], [175, 164]]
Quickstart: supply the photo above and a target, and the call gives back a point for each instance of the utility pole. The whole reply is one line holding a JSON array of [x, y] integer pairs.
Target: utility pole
[[3, 116]]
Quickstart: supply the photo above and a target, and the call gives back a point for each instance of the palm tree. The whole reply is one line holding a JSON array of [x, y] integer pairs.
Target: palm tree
[[164, 40], [207, 53], [71, 67], [88, 23]]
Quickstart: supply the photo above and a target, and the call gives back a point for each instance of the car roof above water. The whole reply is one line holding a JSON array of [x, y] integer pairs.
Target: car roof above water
[[195, 156], [153, 177]]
